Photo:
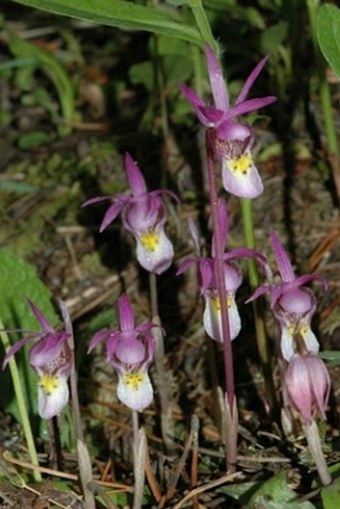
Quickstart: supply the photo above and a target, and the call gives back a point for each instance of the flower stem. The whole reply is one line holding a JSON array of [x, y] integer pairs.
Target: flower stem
[[315, 448], [84, 460], [139, 459], [166, 414], [221, 288], [21, 405], [203, 24]]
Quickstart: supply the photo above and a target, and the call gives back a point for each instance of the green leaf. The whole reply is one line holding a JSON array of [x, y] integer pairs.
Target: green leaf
[[275, 494], [273, 37], [18, 279], [331, 356], [121, 14], [330, 495], [142, 74], [33, 139], [62, 83], [328, 34]]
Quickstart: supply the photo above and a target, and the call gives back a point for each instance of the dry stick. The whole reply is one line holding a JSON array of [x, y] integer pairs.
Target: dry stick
[[206, 487], [177, 472], [85, 466], [166, 414], [222, 293], [194, 459], [139, 456]]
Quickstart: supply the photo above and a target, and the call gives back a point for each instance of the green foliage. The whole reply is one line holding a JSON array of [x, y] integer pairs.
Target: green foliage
[[273, 36], [328, 34], [275, 494], [330, 495], [271, 494], [121, 14], [22, 49], [332, 356], [18, 279]]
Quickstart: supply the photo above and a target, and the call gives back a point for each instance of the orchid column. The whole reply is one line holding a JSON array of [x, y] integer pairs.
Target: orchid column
[[230, 142]]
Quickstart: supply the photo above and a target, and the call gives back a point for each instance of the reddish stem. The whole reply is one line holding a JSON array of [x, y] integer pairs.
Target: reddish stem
[[219, 271]]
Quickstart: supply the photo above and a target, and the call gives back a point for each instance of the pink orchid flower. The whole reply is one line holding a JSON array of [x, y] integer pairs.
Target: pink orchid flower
[[212, 319], [130, 350], [292, 304], [234, 139], [307, 386], [144, 216], [51, 358]]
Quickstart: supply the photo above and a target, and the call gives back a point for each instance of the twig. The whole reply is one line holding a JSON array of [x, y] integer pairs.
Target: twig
[[206, 487]]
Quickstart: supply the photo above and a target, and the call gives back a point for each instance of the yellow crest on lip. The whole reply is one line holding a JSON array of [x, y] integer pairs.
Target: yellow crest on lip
[[134, 380], [241, 165], [150, 240], [217, 304], [49, 383]]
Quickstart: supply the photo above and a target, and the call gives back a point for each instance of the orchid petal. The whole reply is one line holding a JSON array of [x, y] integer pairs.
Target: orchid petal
[[185, 265], [212, 318], [50, 405], [302, 280], [218, 87], [111, 214], [130, 351], [99, 336], [125, 314], [96, 199], [311, 342], [206, 273], [244, 185], [19, 344], [45, 324], [246, 252], [136, 396], [159, 258], [298, 384], [258, 293], [251, 80], [286, 344], [47, 350], [250, 105], [191, 96], [209, 116], [283, 263], [136, 179]]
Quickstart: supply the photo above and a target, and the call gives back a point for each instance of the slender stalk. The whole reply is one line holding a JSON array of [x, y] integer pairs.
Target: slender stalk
[[166, 414], [139, 460], [203, 24], [84, 460], [21, 405], [198, 71], [325, 98], [315, 448], [260, 327], [221, 288]]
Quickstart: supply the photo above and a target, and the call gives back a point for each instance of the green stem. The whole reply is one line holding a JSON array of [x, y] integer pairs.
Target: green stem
[[21, 405], [198, 73], [325, 97], [203, 24], [260, 327]]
